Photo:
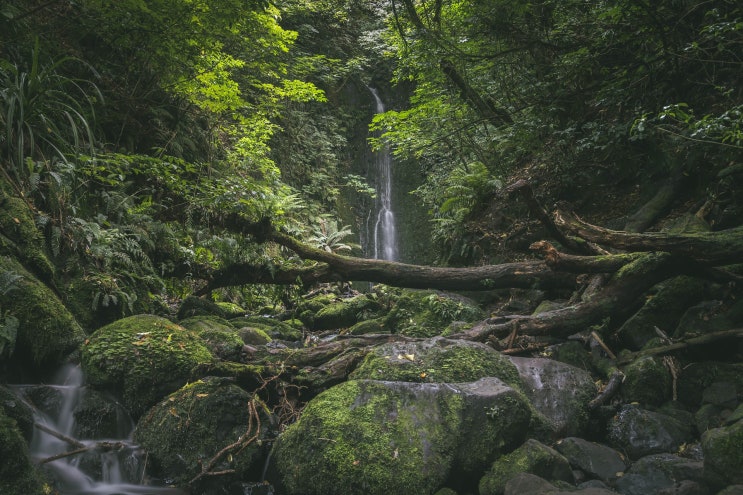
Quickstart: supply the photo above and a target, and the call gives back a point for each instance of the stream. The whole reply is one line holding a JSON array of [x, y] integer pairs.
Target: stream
[[106, 461]]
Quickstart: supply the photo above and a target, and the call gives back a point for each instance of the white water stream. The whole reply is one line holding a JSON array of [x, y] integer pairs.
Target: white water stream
[[385, 237], [104, 466]]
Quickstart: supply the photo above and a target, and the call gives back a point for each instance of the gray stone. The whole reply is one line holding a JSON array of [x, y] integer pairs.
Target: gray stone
[[532, 457], [660, 473], [597, 461], [640, 432], [558, 391]]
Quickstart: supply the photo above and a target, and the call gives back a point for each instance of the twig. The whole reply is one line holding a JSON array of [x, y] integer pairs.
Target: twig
[[606, 349], [65, 454], [244, 440]]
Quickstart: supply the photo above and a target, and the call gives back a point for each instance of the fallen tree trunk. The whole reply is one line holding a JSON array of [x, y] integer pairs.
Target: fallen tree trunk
[[336, 268], [714, 248]]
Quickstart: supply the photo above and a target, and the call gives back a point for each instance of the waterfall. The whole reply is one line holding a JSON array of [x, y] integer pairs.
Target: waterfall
[[385, 238], [116, 469]]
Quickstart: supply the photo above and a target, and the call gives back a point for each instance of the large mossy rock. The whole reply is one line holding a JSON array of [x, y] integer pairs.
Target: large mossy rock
[[218, 334], [327, 312], [18, 476], [186, 430], [378, 437], [435, 360], [532, 457], [47, 332], [143, 358], [21, 239], [427, 313]]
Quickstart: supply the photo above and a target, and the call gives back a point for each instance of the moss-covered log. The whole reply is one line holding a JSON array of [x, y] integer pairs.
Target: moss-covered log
[[715, 248]]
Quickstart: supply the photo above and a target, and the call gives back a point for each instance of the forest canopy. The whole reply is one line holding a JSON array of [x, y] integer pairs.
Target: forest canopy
[[144, 136]]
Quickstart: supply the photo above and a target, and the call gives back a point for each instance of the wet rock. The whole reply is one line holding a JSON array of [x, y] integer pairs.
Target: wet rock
[[723, 452], [558, 391], [593, 459], [142, 358], [647, 381], [532, 457], [187, 429], [435, 360], [380, 437], [663, 473], [640, 432], [529, 484]]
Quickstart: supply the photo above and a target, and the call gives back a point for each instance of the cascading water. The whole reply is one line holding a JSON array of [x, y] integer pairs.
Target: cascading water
[[99, 466], [385, 237]]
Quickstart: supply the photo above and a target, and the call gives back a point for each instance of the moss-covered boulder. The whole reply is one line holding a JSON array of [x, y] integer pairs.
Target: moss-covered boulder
[[18, 476], [143, 358], [723, 452], [647, 381], [47, 332], [17, 410], [197, 306], [218, 334], [21, 239], [342, 313], [276, 329], [374, 437], [253, 336], [186, 430], [532, 457], [435, 360], [375, 325], [701, 376], [427, 313], [663, 310]]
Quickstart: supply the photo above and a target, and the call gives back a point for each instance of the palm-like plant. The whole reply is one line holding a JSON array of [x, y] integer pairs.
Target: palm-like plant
[[44, 115], [329, 237]]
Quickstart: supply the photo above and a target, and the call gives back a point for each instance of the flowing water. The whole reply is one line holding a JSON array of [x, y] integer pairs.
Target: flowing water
[[385, 237], [101, 466]]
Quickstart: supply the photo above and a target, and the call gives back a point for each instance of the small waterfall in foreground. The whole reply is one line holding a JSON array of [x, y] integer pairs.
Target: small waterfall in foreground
[[385, 237], [107, 463]]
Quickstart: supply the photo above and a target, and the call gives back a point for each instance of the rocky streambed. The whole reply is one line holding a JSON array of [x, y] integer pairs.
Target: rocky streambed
[[227, 404]]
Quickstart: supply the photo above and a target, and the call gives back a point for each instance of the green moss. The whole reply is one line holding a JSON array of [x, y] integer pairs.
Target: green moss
[[723, 454], [47, 332], [368, 326], [437, 360], [254, 336], [363, 437], [426, 313], [17, 473], [276, 329], [231, 310], [143, 357], [647, 381], [20, 238], [187, 429], [204, 322], [532, 457]]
